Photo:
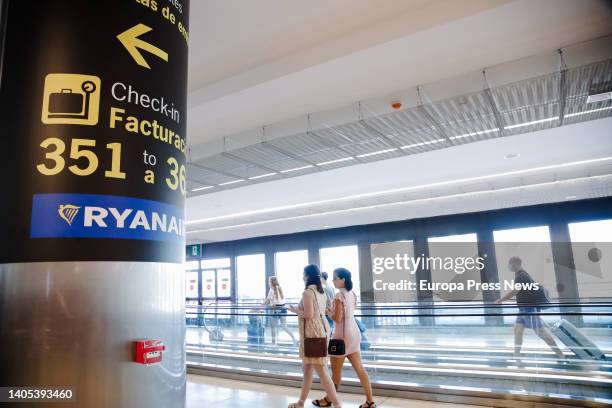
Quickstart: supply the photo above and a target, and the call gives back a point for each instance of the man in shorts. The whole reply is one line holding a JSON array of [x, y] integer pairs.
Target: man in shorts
[[528, 310]]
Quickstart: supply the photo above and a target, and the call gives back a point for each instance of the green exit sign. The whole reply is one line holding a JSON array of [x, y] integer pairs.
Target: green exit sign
[[194, 251]]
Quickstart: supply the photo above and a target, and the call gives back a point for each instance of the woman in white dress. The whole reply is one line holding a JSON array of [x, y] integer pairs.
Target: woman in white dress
[[312, 323], [276, 307]]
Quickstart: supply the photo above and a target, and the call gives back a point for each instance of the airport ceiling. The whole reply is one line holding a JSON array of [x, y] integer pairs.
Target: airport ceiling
[[548, 101], [332, 132]]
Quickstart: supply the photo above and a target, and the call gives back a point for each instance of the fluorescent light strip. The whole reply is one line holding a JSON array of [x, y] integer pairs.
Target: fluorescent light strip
[[535, 122], [202, 188], [378, 152], [297, 168], [398, 190], [397, 203], [335, 161], [571, 115], [262, 176], [231, 182], [480, 132], [422, 143]]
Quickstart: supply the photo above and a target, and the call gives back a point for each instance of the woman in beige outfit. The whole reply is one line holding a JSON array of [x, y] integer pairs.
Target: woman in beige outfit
[[312, 323]]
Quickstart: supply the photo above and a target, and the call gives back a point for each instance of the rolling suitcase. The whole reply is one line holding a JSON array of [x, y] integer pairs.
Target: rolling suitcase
[[255, 334], [576, 341]]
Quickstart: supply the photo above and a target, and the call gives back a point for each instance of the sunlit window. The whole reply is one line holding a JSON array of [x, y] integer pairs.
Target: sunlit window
[[342, 257], [209, 279], [191, 285], [289, 271], [224, 283], [388, 274], [532, 245], [215, 263], [453, 260], [592, 250], [216, 278], [251, 275]]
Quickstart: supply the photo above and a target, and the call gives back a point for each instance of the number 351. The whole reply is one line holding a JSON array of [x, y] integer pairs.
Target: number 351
[[78, 149]]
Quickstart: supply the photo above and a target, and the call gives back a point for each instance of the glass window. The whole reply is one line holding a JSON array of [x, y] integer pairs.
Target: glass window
[[289, 271], [592, 249], [342, 257], [389, 277], [532, 245], [453, 264], [224, 283], [208, 283], [191, 284], [453, 261], [251, 277], [215, 263]]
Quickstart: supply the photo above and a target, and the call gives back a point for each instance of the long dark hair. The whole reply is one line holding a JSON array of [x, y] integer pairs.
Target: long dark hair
[[313, 274], [343, 273]]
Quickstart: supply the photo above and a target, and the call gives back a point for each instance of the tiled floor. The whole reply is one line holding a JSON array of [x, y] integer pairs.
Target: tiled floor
[[217, 392]]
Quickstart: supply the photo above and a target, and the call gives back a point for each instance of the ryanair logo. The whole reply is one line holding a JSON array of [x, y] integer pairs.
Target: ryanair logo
[[105, 216], [68, 212]]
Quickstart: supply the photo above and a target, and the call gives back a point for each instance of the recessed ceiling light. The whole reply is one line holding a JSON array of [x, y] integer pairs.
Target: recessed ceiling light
[[600, 92], [512, 156], [326, 226], [570, 197], [601, 97]]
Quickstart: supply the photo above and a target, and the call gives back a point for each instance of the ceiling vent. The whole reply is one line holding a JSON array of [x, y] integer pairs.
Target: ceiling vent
[[600, 92]]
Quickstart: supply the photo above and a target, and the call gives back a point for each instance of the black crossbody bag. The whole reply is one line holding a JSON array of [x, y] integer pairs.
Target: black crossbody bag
[[337, 347]]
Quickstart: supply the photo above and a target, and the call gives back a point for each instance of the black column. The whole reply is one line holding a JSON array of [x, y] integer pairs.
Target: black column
[[365, 272], [425, 297]]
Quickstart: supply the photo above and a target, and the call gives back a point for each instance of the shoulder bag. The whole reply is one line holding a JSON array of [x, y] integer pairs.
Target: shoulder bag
[[315, 346], [337, 347]]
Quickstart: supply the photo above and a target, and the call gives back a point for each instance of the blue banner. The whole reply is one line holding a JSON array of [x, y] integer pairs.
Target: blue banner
[[105, 216]]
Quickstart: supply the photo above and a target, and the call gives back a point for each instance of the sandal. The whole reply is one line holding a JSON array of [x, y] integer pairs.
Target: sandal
[[368, 405], [299, 404], [319, 402]]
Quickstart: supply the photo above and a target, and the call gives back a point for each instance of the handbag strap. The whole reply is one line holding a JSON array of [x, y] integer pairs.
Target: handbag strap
[[318, 311], [343, 314]]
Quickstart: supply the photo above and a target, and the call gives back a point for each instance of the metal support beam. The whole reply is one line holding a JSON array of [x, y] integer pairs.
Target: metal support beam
[[562, 87], [250, 163], [330, 145], [387, 139], [499, 121], [432, 121], [223, 173], [289, 154]]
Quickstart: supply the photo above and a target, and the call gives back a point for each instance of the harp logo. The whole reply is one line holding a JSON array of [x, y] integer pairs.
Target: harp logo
[[67, 212]]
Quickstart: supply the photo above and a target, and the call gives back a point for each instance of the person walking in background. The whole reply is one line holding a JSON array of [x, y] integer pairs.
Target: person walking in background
[[331, 293], [276, 307], [343, 314], [527, 301], [310, 311]]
